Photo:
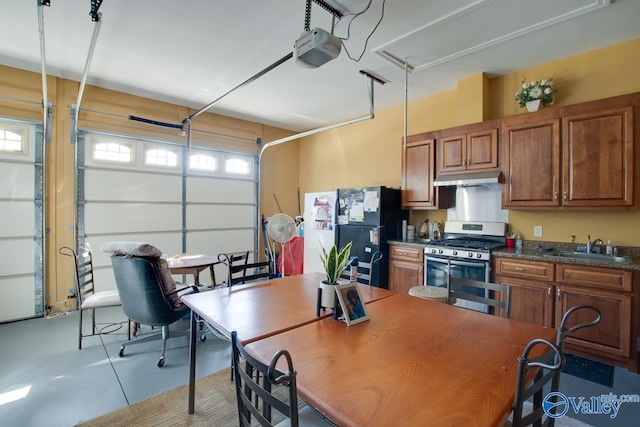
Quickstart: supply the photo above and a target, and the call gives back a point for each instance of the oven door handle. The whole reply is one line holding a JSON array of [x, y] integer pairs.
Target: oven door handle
[[438, 260], [468, 263]]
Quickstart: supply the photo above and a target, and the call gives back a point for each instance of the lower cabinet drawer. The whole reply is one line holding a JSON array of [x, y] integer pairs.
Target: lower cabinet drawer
[[523, 268]]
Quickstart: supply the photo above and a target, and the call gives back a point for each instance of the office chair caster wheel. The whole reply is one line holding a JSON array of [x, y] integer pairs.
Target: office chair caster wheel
[[203, 338], [121, 351], [161, 362]]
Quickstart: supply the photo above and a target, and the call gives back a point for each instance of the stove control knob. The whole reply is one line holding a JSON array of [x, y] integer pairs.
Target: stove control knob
[[433, 251], [454, 252], [479, 255], [440, 251], [470, 254]]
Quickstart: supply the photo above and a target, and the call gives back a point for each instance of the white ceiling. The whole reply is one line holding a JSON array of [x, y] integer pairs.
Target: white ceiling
[[194, 52]]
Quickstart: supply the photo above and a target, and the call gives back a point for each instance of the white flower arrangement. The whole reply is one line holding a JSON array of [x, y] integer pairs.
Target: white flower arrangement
[[543, 90]]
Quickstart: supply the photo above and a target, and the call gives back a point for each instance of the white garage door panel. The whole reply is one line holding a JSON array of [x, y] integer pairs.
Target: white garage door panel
[[19, 298], [205, 190], [17, 181], [216, 242], [132, 186], [21, 264], [202, 217], [169, 243], [22, 219], [131, 218]]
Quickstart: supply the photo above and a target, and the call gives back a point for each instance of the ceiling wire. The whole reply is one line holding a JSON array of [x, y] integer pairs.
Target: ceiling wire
[[364, 50]]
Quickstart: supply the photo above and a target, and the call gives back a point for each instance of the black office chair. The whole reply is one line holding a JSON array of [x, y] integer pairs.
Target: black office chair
[[86, 296], [257, 398], [462, 289], [148, 293], [549, 365]]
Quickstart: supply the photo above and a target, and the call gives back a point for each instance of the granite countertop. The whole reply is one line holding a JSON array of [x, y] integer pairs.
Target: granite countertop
[[530, 251]]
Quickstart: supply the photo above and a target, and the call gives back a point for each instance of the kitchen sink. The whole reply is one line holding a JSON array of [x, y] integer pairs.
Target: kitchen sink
[[592, 257]]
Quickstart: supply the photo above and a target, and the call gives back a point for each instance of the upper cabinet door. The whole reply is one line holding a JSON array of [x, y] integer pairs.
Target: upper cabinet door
[[418, 173], [598, 158], [482, 150], [453, 153], [472, 148], [531, 163]]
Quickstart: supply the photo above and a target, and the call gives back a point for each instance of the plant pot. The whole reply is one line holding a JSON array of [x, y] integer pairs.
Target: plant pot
[[533, 105], [328, 295]]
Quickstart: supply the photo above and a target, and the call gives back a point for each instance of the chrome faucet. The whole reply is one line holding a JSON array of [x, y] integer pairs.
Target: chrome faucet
[[592, 244]]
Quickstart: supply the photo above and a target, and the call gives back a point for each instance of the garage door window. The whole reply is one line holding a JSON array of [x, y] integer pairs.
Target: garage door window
[[113, 152], [13, 140], [203, 162], [161, 157]]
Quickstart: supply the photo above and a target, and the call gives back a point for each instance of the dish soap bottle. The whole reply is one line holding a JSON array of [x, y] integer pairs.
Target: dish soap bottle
[[609, 248], [518, 241]]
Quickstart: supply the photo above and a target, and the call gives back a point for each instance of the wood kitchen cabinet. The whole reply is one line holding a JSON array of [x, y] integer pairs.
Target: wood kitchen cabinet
[[472, 148], [532, 289], [579, 156], [418, 173], [541, 292], [406, 267], [531, 162]]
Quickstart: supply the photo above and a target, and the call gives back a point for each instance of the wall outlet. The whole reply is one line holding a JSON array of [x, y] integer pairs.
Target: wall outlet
[[537, 231]]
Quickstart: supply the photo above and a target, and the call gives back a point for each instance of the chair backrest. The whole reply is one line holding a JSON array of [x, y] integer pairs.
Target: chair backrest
[[240, 270], [492, 294], [83, 262], [254, 391], [563, 329], [548, 364], [142, 292]]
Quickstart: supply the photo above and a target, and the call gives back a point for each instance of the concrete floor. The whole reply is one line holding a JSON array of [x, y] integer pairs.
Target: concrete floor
[[46, 381]]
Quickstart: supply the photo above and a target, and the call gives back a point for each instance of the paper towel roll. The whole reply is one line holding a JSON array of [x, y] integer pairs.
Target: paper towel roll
[[404, 229]]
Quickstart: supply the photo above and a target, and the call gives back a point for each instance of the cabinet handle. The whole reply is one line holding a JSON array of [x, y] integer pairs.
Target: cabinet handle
[[549, 292], [555, 196], [521, 269], [565, 196], [558, 294]]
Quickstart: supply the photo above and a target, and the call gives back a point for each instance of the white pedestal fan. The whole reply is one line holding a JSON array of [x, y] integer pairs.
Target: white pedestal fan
[[281, 228]]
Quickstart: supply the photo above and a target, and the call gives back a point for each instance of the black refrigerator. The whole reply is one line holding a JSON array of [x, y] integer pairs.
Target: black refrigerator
[[369, 217]]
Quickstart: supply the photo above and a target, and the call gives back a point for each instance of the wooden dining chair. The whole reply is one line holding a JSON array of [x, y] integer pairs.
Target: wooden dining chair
[[266, 395], [548, 365], [496, 295]]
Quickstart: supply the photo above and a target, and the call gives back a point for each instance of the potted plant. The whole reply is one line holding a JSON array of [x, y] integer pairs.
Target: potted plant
[[334, 264], [536, 93]]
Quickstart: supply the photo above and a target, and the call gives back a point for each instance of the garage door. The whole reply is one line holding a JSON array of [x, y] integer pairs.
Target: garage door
[[198, 200], [21, 243]]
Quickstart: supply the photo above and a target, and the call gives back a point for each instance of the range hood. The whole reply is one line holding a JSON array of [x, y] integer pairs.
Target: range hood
[[468, 179]]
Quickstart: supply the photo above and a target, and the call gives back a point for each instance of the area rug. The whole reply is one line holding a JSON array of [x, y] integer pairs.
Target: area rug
[[215, 405], [589, 370]]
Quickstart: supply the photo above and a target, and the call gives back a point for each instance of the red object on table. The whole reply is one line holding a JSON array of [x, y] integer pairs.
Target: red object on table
[[291, 258]]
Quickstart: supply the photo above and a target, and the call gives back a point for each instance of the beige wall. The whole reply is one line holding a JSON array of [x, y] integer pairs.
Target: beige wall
[[370, 153]]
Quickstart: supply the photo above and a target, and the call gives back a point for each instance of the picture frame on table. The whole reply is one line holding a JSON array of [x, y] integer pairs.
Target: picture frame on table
[[351, 303]]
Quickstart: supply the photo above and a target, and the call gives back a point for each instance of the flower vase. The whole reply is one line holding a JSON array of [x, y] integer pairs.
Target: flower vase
[[328, 297], [533, 105]]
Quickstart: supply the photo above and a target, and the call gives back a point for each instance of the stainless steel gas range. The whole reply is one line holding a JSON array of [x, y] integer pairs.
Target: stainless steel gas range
[[464, 252]]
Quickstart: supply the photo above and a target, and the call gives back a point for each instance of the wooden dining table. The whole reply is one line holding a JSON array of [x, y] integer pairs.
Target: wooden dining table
[[414, 362], [260, 309], [192, 264]]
